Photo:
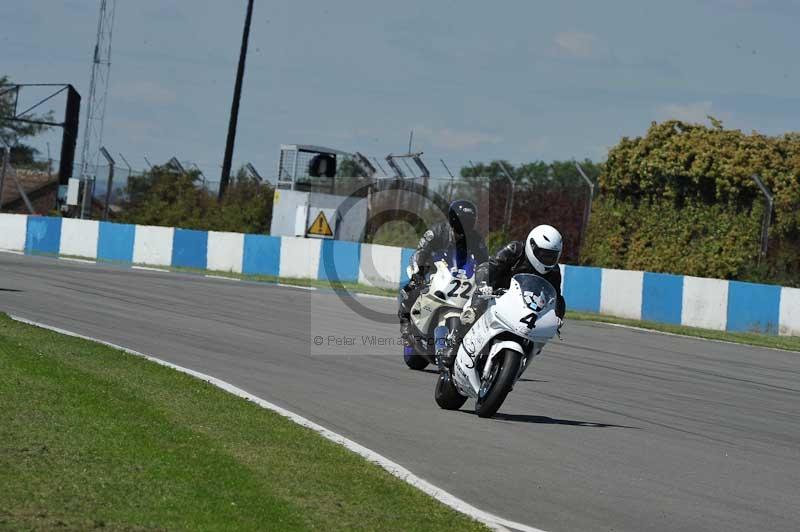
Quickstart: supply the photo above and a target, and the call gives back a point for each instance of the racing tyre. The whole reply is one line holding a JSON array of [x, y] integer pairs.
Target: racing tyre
[[413, 360], [446, 395], [496, 385]]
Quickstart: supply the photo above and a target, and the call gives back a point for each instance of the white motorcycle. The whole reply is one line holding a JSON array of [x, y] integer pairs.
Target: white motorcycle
[[499, 347], [439, 304]]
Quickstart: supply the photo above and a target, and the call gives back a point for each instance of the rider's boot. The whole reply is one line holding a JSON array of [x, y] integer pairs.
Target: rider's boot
[[404, 313], [405, 330], [447, 355]]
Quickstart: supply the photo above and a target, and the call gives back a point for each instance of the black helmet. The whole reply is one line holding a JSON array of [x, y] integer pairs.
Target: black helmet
[[462, 215]]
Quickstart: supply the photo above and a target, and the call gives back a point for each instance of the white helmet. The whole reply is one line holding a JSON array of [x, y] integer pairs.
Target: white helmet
[[543, 248]]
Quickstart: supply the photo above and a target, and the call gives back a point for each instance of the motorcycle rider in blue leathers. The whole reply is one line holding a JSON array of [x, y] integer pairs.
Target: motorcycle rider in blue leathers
[[458, 233]]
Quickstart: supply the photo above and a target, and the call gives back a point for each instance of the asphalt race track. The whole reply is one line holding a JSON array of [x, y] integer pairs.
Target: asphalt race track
[[612, 429]]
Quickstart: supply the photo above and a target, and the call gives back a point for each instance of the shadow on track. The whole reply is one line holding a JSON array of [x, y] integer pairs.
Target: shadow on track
[[544, 420]]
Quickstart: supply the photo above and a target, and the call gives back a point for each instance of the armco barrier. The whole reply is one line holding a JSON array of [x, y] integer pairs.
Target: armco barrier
[[692, 301]]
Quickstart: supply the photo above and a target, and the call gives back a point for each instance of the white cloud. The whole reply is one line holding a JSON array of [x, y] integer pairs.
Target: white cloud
[[695, 112], [451, 139], [576, 43]]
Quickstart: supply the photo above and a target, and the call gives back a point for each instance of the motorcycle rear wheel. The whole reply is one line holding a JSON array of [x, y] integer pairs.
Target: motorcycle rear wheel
[[414, 361], [495, 387], [446, 395]]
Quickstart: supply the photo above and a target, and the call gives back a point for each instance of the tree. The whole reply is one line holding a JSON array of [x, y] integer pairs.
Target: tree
[[165, 197], [681, 199], [12, 131]]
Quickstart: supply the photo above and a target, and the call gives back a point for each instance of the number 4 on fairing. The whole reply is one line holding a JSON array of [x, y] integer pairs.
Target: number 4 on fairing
[[529, 320]]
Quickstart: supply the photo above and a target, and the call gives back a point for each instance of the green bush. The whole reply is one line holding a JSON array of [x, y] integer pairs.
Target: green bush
[[167, 198], [682, 199]]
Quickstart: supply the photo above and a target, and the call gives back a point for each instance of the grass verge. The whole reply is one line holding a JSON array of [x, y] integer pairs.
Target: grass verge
[[789, 343], [91, 437]]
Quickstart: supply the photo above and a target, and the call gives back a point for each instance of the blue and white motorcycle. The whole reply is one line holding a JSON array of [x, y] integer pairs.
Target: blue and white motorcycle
[[499, 347], [439, 304]]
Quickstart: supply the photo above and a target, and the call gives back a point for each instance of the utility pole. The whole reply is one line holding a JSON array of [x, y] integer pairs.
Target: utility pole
[[237, 94]]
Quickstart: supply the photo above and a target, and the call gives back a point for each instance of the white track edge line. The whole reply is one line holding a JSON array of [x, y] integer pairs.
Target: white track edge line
[[83, 261], [150, 269], [209, 276], [375, 296], [284, 285], [12, 251], [492, 521]]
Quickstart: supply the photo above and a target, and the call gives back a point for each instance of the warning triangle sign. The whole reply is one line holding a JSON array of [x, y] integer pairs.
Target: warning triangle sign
[[320, 226]]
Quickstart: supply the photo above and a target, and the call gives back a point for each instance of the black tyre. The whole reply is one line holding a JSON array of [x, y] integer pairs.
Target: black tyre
[[446, 395], [496, 385], [413, 360]]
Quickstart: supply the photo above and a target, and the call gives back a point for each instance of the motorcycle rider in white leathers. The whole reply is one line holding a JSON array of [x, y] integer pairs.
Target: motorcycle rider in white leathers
[[538, 255]]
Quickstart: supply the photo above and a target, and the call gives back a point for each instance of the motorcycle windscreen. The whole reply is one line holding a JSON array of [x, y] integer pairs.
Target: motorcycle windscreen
[[528, 308], [461, 264]]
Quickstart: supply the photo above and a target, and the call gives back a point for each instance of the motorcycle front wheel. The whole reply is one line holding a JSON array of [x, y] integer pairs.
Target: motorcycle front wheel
[[496, 385]]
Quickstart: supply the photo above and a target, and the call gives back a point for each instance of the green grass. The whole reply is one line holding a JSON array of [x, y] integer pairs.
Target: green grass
[[790, 343], [93, 438]]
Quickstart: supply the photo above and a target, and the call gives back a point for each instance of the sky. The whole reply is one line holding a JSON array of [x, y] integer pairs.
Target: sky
[[475, 80]]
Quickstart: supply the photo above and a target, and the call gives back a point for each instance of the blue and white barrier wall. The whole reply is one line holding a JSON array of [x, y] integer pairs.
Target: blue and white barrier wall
[[678, 299]]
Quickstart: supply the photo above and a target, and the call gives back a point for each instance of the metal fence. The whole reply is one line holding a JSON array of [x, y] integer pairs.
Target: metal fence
[[508, 206]]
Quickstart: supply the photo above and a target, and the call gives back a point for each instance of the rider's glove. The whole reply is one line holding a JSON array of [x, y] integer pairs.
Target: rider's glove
[[485, 290], [413, 269], [560, 323], [468, 315]]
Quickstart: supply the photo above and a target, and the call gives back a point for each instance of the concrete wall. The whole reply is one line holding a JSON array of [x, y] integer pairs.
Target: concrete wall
[[225, 251], [621, 293], [79, 237], [13, 229], [706, 303], [153, 245], [300, 257], [378, 265]]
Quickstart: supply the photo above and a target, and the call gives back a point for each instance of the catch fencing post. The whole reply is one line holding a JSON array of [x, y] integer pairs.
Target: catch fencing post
[[450, 191], [587, 210], [767, 216], [6, 156], [110, 160], [510, 200]]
